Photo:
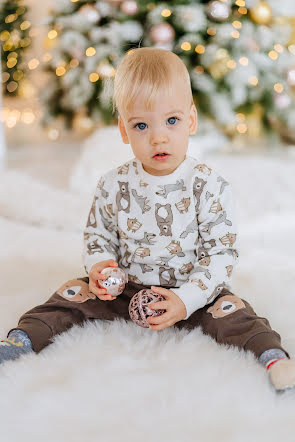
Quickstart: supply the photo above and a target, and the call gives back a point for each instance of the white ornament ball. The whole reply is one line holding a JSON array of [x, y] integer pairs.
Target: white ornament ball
[[129, 7], [218, 11], [162, 33]]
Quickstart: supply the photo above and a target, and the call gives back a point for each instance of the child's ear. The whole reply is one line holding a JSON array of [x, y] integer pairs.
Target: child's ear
[[193, 120], [123, 130]]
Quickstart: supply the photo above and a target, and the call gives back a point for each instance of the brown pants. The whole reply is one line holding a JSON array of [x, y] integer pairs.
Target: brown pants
[[228, 319]]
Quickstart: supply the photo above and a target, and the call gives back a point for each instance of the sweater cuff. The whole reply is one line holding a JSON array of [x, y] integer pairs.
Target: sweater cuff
[[90, 260], [192, 297]]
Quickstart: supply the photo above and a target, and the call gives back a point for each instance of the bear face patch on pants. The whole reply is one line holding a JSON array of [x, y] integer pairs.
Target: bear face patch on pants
[[225, 305], [76, 290]]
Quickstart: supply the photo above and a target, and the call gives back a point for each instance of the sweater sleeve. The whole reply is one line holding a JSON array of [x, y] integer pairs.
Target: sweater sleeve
[[216, 249], [101, 240]]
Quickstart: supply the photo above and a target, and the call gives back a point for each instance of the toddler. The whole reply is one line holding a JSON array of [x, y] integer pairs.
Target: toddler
[[164, 218]]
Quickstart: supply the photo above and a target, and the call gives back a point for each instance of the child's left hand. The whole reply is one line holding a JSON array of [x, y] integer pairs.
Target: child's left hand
[[175, 309]]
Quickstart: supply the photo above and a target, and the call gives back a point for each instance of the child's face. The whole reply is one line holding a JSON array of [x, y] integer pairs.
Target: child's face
[[160, 130]]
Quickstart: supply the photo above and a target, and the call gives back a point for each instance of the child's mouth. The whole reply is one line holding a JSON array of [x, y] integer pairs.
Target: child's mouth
[[161, 157]]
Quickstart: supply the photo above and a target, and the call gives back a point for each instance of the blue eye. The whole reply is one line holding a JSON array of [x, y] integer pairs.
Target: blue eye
[[143, 124]]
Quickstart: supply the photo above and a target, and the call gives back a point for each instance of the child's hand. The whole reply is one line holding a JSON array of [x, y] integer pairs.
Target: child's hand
[[175, 309], [95, 275]]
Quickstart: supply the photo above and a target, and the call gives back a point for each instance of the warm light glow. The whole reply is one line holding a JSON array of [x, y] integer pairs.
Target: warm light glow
[[211, 31], [17, 75], [278, 48], [235, 34], [53, 134], [25, 25], [278, 87], [253, 80], [240, 116], [60, 70], [166, 13], [242, 128], [5, 77], [199, 69], [243, 10], [28, 116], [200, 49], [273, 55], [11, 62], [33, 64], [46, 56], [10, 18], [11, 86], [186, 46], [237, 24], [244, 61], [90, 51], [4, 35], [74, 63], [52, 34], [240, 2], [291, 48], [93, 77], [231, 64]]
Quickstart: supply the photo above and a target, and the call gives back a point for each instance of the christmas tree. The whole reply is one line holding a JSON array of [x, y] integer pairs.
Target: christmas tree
[[241, 58], [14, 38]]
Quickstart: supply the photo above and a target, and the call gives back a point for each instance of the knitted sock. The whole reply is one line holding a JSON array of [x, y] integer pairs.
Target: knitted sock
[[16, 344], [271, 356]]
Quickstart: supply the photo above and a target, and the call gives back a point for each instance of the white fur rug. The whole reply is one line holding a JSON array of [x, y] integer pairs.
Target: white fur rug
[[117, 382]]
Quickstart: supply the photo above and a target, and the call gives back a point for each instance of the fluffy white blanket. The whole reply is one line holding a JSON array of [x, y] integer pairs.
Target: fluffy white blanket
[[114, 381]]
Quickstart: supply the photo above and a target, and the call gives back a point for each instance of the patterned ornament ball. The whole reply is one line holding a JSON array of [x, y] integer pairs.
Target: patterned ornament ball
[[139, 309], [115, 282]]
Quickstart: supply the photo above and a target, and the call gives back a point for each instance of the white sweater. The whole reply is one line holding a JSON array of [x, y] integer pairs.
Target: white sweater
[[176, 231]]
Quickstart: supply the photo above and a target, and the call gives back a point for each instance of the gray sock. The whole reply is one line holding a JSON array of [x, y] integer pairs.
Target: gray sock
[[16, 344], [269, 355]]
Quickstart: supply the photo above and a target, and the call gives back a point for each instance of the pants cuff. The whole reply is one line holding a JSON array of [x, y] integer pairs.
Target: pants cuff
[[39, 332], [264, 341]]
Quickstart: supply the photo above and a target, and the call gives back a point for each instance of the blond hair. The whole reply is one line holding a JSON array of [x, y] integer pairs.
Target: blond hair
[[147, 71]]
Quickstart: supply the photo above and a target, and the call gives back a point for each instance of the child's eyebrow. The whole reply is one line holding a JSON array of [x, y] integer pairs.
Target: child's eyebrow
[[170, 112]]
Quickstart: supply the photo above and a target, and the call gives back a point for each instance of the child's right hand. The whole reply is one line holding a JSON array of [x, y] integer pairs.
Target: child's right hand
[[95, 275]]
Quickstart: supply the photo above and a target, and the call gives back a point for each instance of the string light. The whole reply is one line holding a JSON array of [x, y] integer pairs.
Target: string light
[[244, 61], [235, 34], [200, 49], [93, 77], [273, 55], [278, 87], [90, 51], [166, 13], [253, 80], [186, 46], [237, 24]]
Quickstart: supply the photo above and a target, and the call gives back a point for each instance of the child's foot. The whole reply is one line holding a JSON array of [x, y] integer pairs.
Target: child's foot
[[282, 374], [16, 344]]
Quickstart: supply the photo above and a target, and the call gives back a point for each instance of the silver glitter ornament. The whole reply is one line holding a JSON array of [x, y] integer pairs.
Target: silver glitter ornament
[[218, 11], [115, 282]]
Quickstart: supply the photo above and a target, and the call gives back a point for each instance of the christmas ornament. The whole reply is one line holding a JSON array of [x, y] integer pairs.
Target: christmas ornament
[[129, 7], [162, 33], [218, 11], [138, 306], [115, 282], [261, 13], [219, 68], [282, 101], [291, 76], [90, 12]]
